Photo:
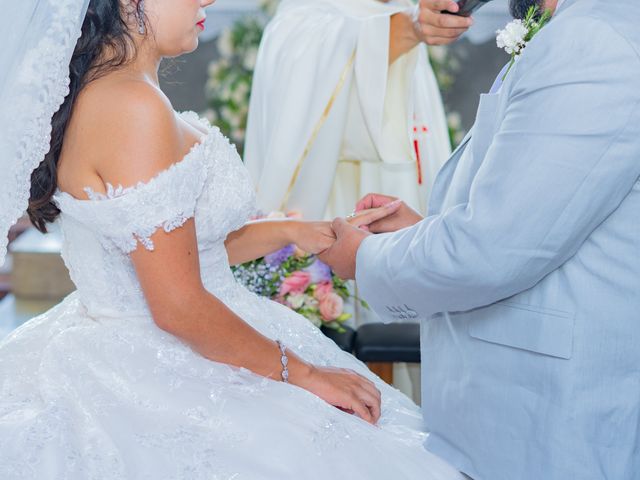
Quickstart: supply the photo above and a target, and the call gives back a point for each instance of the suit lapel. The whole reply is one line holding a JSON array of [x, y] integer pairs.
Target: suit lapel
[[443, 180]]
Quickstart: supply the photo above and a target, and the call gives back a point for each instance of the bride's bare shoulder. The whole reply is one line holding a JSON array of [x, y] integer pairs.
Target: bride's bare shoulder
[[125, 130]]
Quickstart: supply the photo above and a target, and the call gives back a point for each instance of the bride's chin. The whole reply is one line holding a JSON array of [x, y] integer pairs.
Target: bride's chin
[[195, 46], [188, 48], [196, 42]]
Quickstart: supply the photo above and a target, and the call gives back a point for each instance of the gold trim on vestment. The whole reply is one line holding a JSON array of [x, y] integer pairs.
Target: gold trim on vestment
[[316, 130]]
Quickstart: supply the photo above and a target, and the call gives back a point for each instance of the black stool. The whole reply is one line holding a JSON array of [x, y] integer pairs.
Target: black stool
[[345, 340], [380, 345]]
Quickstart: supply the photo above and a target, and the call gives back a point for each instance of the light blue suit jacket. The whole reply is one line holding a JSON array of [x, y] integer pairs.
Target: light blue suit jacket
[[526, 273]]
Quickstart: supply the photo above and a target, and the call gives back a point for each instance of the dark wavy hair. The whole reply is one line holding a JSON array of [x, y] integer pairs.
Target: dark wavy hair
[[105, 45]]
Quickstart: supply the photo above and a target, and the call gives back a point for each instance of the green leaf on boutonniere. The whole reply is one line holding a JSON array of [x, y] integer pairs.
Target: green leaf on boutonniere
[[518, 33]]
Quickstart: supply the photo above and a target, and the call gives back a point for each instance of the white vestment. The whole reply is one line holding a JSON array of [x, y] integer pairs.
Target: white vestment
[[330, 120]]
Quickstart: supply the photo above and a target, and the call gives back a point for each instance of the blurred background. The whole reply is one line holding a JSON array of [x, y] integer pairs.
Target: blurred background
[[216, 80]]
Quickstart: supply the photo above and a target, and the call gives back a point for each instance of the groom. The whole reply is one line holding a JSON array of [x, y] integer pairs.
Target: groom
[[526, 272]]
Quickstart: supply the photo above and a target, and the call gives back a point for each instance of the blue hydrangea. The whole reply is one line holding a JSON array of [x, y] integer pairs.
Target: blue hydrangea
[[276, 259], [320, 272]]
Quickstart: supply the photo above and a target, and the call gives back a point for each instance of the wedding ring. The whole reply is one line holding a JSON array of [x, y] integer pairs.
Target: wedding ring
[[352, 214]]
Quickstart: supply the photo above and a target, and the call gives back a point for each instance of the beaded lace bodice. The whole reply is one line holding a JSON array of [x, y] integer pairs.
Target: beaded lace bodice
[[209, 183]]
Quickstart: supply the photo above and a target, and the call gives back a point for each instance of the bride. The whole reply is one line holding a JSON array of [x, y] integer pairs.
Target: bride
[[160, 365]]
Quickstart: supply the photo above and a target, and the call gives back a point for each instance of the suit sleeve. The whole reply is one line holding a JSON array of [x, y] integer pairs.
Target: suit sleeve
[[564, 157]]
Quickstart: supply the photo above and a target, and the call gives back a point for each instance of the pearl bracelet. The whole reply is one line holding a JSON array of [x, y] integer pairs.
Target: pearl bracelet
[[284, 360]]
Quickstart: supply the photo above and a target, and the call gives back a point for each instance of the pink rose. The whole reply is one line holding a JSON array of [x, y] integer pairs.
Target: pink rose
[[331, 307], [297, 282], [322, 290]]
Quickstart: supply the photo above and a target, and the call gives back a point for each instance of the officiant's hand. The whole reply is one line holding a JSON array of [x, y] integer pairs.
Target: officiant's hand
[[403, 215], [436, 28]]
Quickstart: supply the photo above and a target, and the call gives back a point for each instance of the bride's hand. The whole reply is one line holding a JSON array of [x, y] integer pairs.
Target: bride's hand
[[312, 237], [346, 390], [365, 218]]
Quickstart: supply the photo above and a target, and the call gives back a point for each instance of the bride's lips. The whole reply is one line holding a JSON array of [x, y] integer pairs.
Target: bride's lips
[[201, 23]]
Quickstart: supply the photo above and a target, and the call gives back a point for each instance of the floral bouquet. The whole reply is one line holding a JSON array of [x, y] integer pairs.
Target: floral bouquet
[[301, 282]]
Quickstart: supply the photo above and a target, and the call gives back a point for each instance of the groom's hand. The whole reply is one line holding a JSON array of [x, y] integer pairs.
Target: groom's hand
[[403, 216], [341, 256]]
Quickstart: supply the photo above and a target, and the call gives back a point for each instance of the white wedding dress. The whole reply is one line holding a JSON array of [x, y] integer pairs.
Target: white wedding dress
[[93, 389]]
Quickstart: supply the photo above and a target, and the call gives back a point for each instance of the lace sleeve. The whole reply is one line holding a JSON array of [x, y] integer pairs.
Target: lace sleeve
[[124, 217]]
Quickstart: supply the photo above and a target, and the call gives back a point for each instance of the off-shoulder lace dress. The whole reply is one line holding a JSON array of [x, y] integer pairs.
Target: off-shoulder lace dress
[[93, 389]]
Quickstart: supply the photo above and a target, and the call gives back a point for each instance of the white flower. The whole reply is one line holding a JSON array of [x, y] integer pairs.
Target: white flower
[[211, 115], [454, 120], [310, 302], [438, 53], [238, 135], [314, 319], [227, 115], [215, 68], [512, 37], [269, 6], [250, 58], [296, 301], [241, 93], [225, 44]]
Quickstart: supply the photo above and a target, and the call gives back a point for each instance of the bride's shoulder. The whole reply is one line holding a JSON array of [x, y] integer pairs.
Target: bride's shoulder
[[123, 106], [131, 127]]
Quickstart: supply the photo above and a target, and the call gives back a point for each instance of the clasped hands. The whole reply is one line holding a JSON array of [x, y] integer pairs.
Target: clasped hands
[[336, 243]]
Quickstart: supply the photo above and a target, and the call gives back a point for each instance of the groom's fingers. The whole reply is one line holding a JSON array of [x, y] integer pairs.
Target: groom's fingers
[[382, 226], [373, 200], [366, 203]]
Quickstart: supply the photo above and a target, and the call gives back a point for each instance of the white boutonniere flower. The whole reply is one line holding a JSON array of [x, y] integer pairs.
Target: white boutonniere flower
[[517, 34]]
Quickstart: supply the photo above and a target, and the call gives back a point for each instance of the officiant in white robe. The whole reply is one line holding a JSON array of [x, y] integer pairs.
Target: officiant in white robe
[[332, 118]]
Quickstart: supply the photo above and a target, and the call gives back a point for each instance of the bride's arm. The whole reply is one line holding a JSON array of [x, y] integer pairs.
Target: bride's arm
[[259, 238], [179, 303], [150, 140]]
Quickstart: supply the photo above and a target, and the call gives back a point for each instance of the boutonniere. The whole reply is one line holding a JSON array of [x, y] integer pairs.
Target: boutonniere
[[517, 34]]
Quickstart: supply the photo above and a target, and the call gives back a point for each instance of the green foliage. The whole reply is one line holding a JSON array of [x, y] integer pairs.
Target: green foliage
[[535, 20], [231, 75]]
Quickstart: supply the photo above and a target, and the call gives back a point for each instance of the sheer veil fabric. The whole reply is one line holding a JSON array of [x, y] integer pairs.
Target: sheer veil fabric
[[38, 38]]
